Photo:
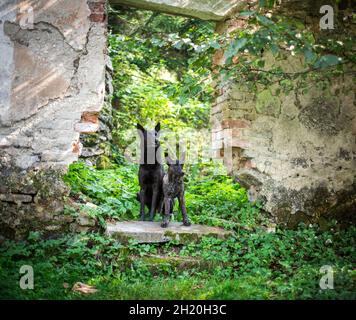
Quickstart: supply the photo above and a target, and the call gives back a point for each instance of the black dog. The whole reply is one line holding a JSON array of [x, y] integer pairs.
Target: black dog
[[173, 187], [151, 172]]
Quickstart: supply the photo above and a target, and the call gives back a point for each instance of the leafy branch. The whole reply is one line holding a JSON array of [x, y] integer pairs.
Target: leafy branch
[[245, 50]]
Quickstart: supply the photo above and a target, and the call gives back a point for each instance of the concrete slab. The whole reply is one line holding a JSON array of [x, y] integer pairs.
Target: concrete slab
[[152, 232], [202, 9]]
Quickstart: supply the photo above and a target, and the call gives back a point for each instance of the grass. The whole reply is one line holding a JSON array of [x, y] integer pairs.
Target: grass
[[248, 265]]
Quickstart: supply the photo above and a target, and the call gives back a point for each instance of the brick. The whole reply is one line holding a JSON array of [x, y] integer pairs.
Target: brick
[[92, 117], [217, 144], [235, 123], [223, 95], [217, 153], [77, 147], [98, 12], [236, 132], [216, 109], [218, 135], [248, 164], [243, 144], [97, 17]]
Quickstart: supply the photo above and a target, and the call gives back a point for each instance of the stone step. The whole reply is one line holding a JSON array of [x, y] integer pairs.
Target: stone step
[[152, 232], [158, 263]]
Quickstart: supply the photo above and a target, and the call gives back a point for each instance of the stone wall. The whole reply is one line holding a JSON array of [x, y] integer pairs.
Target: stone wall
[[295, 152], [53, 57]]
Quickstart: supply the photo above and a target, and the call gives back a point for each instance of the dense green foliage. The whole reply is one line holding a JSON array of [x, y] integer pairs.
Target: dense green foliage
[[211, 199], [112, 190], [248, 265], [161, 71], [290, 41]]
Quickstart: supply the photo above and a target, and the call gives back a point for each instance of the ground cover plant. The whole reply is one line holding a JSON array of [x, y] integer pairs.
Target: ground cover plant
[[248, 265]]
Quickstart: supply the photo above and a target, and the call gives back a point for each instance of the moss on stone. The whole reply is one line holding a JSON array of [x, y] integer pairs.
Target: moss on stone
[[122, 238], [157, 263], [268, 104], [103, 162], [185, 238]]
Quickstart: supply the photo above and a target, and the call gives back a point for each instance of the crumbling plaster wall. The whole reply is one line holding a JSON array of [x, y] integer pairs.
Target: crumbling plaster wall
[[296, 152], [53, 58]]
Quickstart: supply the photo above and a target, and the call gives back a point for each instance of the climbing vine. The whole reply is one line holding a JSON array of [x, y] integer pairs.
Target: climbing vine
[[248, 51]]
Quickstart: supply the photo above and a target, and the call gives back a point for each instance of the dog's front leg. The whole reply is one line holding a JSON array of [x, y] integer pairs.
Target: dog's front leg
[[167, 209], [184, 210], [154, 203], [142, 203]]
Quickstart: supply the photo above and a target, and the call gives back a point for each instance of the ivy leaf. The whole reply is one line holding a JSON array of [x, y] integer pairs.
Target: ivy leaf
[[260, 63], [264, 20], [214, 44], [326, 61], [274, 49], [266, 3], [309, 55], [247, 13], [262, 3], [178, 44], [235, 47]]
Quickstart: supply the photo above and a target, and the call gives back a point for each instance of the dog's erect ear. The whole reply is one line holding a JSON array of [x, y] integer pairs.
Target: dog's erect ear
[[158, 127], [139, 127], [168, 159], [182, 158]]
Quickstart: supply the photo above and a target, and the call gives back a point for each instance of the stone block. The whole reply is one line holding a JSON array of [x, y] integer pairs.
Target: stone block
[[215, 109], [86, 127], [58, 156], [25, 161], [152, 232], [16, 198], [238, 143], [84, 220], [217, 144]]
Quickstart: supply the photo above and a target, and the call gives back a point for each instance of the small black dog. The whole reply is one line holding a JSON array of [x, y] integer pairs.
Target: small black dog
[[151, 172], [173, 187]]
